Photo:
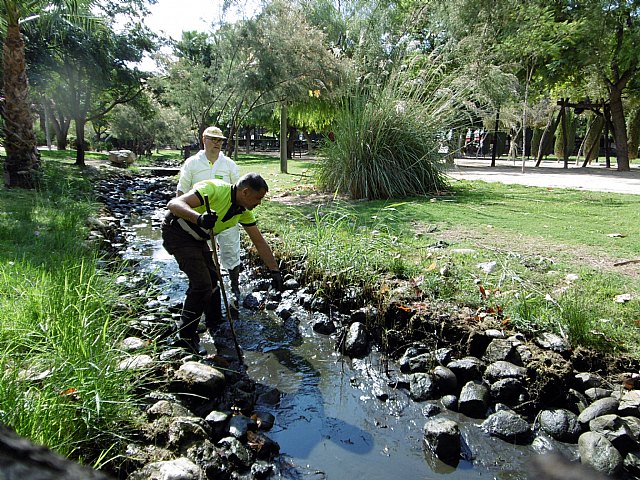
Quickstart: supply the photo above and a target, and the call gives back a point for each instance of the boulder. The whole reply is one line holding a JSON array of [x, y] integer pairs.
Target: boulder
[[617, 431], [178, 469], [598, 452], [474, 400], [422, 387], [508, 426], [122, 158], [604, 406], [630, 404], [467, 369], [198, 378], [356, 343], [442, 439], [561, 424]]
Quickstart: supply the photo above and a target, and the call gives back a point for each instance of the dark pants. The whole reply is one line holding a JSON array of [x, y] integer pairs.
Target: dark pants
[[203, 294]]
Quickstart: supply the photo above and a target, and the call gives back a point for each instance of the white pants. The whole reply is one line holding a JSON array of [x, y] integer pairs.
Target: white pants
[[229, 247]]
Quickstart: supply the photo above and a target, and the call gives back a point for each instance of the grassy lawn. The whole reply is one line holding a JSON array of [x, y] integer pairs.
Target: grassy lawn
[[554, 250]]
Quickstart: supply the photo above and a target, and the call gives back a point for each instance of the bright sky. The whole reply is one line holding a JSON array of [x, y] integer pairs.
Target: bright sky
[[172, 17]]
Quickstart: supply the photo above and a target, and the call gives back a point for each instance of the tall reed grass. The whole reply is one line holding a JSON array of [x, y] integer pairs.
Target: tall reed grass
[[387, 136]]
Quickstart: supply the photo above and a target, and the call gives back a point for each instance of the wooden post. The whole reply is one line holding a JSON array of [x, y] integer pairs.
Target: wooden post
[[283, 138], [565, 154], [495, 139]]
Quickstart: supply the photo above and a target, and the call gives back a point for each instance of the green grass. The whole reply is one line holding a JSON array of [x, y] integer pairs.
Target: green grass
[[60, 384], [538, 238]]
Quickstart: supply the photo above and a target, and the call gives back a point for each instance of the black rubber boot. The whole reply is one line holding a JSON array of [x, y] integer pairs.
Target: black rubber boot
[[234, 277]]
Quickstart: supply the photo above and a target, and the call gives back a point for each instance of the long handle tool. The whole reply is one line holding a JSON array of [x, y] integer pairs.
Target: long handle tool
[[216, 263]]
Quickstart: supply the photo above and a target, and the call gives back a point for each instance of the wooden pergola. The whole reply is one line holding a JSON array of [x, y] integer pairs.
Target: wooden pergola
[[600, 107]]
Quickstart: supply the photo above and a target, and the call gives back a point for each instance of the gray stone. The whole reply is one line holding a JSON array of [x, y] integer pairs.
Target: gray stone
[[285, 309], [422, 387], [502, 369], [561, 424], [265, 420], [551, 341], [598, 452], [356, 343], [474, 400], [322, 324], [198, 378], [422, 362], [467, 369], [508, 390], [596, 393], [409, 353], [442, 439], [501, 349], [445, 379], [238, 426], [183, 431], [616, 430], [577, 401], [634, 425], [450, 402], [235, 450], [630, 404], [604, 406], [136, 362], [586, 380], [494, 333], [443, 355], [430, 410], [166, 408], [291, 284], [178, 469], [632, 463], [218, 422], [508, 426]]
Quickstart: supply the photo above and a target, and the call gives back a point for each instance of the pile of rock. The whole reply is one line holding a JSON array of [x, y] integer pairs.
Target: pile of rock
[[503, 388], [206, 423]]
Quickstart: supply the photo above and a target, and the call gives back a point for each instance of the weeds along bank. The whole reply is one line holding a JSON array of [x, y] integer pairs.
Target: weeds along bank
[[62, 317]]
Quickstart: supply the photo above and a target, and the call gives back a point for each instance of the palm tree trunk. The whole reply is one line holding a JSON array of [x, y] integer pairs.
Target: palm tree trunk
[[23, 160]]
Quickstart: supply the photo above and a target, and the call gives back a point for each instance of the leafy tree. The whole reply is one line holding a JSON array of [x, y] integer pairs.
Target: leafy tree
[[607, 49], [22, 162], [89, 74]]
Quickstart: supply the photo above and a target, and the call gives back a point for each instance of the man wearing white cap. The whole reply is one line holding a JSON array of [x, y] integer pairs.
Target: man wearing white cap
[[208, 164]]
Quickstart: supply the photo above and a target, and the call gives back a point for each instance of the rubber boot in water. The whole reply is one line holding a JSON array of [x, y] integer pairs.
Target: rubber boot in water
[[234, 277]]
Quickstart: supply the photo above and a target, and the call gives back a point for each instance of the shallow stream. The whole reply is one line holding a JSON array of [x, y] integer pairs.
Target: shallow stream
[[337, 418]]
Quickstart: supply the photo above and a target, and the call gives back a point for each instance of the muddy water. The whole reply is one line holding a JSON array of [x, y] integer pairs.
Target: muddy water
[[337, 418]]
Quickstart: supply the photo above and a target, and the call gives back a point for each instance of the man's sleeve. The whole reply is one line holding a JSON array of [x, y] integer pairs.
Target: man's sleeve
[[185, 182], [234, 173], [247, 218]]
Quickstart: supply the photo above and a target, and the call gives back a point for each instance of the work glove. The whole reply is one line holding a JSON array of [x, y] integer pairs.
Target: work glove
[[207, 220], [276, 280]]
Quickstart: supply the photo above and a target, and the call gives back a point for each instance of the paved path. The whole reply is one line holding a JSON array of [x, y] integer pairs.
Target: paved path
[[549, 174]]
